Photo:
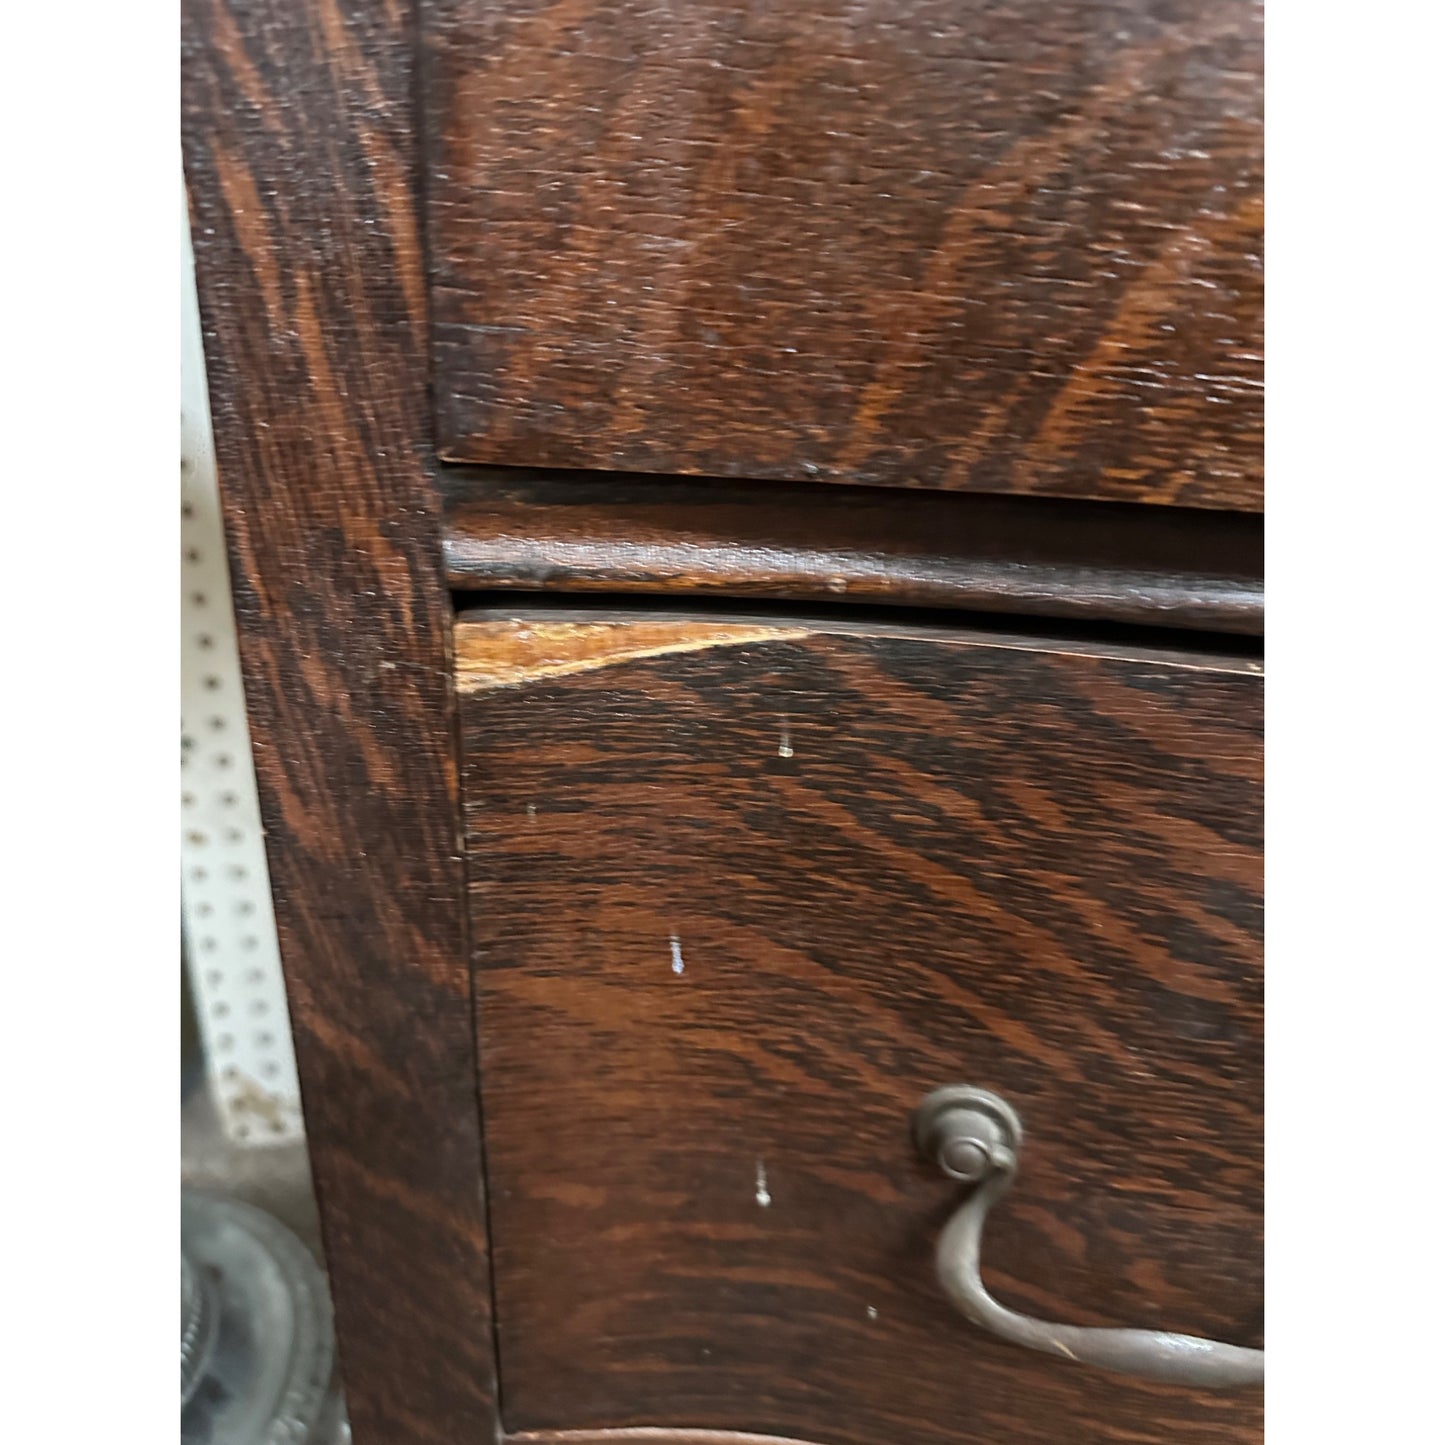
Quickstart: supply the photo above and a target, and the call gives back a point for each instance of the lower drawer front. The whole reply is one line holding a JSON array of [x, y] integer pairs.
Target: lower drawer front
[[742, 895]]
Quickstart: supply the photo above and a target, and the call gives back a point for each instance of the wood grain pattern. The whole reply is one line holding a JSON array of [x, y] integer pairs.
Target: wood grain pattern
[[737, 908], [509, 653], [645, 1435], [989, 245], [299, 153], [1039, 557]]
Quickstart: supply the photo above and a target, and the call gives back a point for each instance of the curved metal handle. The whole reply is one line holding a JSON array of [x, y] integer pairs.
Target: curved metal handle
[[974, 1136]]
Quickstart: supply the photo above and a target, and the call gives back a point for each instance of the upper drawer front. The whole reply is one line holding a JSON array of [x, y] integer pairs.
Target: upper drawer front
[[741, 896], [992, 245]]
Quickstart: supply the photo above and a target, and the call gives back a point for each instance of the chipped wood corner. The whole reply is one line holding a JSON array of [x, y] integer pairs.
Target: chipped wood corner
[[507, 652]]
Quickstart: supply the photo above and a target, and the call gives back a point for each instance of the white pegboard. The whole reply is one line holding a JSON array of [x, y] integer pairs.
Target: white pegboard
[[225, 889]]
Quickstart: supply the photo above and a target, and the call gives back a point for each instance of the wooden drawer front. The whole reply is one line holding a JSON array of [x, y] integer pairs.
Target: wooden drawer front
[[741, 895], [1008, 247]]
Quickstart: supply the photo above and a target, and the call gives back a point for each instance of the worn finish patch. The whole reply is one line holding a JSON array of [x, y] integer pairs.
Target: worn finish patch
[[508, 652]]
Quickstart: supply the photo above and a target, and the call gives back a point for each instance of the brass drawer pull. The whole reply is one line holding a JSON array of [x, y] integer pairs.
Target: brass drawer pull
[[975, 1137]]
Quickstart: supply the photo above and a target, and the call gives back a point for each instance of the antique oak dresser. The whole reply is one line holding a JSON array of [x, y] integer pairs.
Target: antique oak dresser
[[746, 522]]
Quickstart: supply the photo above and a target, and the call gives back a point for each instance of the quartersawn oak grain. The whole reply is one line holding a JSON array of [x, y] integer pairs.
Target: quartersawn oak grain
[[1039, 557], [299, 153], [999, 247], [646, 1435], [737, 907]]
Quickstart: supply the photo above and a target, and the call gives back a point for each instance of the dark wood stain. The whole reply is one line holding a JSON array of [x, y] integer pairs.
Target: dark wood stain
[[976, 247], [1084, 561], [884, 859], [301, 167], [999, 247], [645, 1435]]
